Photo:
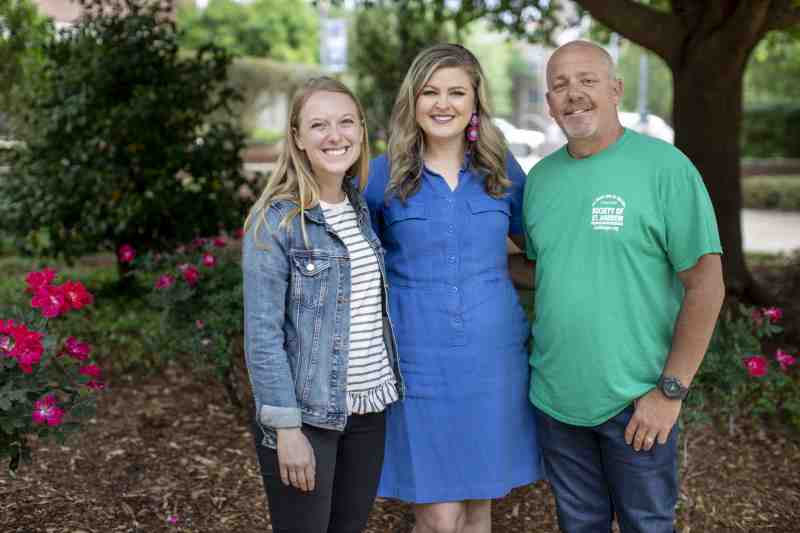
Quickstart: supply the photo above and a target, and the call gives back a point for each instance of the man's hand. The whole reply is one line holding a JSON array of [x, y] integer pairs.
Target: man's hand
[[653, 418], [296, 459]]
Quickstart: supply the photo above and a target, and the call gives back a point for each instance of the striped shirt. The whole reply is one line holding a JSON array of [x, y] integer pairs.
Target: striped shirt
[[370, 380]]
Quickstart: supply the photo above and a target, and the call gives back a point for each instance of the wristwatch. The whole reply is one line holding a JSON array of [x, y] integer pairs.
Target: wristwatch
[[672, 388]]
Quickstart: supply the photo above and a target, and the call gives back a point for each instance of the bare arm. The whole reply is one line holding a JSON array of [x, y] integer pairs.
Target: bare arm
[[705, 292], [655, 413], [519, 266]]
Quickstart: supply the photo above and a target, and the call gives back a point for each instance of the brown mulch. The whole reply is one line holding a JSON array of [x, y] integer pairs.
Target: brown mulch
[[167, 445]]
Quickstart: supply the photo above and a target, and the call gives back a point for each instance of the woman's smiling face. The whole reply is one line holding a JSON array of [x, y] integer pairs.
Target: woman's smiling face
[[330, 133], [445, 104]]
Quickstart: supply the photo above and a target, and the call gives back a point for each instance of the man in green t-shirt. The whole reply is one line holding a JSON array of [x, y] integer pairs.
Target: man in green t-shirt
[[628, 284]]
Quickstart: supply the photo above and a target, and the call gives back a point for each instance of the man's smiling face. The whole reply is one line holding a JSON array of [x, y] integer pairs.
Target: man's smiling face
[[582, 93]]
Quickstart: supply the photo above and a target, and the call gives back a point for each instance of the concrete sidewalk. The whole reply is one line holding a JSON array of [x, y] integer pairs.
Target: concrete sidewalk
[[770, 231]]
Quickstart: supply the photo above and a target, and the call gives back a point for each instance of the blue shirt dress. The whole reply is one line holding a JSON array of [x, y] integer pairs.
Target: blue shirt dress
[[466, 429]]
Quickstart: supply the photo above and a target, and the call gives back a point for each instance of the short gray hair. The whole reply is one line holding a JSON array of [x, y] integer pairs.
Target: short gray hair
[[612, 69]]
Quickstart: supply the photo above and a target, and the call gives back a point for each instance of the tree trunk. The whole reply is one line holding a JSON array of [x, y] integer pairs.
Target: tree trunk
[[706, 45], [707, 114]]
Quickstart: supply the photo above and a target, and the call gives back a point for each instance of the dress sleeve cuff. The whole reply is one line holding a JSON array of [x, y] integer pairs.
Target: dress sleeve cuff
[[280, 417]]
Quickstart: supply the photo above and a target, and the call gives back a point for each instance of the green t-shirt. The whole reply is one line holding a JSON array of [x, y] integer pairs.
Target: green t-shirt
[[608, 234]]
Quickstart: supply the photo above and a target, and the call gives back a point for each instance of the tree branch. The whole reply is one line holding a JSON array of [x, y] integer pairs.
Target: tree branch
[[744, 28], [783, 15], [657, 31]]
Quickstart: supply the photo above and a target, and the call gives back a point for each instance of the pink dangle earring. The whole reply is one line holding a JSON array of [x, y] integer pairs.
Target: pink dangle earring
[[472, 129]]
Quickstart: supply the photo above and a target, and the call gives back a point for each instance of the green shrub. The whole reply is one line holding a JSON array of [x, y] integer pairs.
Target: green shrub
[[772, 192], [120, 148], [771, 131], [22, 32]]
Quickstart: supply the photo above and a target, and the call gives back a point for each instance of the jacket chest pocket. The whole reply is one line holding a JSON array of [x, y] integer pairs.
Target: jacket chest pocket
[[310, 272]]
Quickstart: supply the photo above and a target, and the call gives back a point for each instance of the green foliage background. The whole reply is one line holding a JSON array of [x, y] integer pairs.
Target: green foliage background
[[120, 147], [284, 30], [22, 33]]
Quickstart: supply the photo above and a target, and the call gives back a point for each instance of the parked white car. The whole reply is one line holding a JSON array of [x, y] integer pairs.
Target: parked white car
[[525, 155], [523, 144], [652, 125]]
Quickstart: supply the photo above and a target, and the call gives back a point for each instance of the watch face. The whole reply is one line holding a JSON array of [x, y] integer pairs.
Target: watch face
[[671, 388]]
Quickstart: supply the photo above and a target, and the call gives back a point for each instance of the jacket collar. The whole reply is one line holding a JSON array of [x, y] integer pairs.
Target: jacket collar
[[351, 191]]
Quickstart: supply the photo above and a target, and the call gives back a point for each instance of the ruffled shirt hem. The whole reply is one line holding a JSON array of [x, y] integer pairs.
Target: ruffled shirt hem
[[373, 400]]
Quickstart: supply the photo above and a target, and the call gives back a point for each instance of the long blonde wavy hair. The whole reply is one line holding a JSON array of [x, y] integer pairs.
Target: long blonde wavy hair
[[293, 179], [407, 141]]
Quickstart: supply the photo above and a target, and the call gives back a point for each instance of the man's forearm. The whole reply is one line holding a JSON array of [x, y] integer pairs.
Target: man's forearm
[[694, 327]]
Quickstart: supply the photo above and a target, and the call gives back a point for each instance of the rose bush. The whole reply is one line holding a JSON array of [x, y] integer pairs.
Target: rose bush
[[49, 383], [741, 374], [198, 288]]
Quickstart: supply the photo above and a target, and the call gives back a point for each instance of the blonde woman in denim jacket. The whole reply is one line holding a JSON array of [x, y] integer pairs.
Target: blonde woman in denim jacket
[[319, 345]]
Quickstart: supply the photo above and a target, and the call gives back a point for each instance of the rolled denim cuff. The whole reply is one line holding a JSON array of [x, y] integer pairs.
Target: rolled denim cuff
[[280, 417]]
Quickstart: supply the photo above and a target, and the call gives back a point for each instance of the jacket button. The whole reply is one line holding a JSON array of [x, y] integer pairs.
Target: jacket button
[[310, 267]]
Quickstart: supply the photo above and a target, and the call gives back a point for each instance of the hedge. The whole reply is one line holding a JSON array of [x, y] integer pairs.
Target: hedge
[[772, 192], [771, 131]]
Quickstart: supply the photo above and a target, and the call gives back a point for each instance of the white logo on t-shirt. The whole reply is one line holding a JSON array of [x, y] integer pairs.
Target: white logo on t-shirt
[[608, 213]]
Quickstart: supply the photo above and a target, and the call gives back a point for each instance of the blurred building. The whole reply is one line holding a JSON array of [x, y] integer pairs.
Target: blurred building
[[61, 11], [64, 12]]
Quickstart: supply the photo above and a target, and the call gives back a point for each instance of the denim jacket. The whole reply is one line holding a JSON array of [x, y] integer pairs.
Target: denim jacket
[[297, 318]]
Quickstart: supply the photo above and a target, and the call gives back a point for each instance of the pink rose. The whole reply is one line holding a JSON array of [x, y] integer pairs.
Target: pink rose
[[756, 365], [209, 260], [199, 324], [95, 385], [126, 253], [76, 349], [190, 273], [46, 411], [164, 282], [50, 300], [773, 314], [76, 295], [42, 278], [24, 345], [92, 370], [785, 359], [7, 337], [220, 242]]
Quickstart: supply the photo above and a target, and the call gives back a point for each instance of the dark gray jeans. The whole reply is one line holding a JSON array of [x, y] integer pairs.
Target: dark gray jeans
[[348, 470]]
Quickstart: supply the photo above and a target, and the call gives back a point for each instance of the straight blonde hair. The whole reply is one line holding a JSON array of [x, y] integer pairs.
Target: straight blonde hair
[[293, 179], [407, 141]]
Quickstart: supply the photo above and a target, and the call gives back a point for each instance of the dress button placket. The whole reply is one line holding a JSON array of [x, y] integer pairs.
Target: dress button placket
[[451, 258]]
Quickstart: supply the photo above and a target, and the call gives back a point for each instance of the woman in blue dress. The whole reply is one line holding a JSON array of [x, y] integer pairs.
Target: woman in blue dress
[[443, 200]]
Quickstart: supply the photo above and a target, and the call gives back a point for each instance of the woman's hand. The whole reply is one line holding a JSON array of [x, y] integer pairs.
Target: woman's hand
[[296, 459]]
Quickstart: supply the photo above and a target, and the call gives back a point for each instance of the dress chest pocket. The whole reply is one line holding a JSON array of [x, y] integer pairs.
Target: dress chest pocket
[[490, 213], [310, 272], [405, 222]]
